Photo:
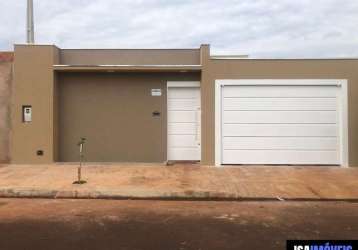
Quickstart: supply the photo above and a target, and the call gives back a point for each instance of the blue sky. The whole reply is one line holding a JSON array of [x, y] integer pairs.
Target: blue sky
[[260, 28]]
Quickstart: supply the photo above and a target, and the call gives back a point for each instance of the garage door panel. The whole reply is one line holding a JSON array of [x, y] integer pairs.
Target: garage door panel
[[280, 130], [280, 117], [182, 104], [182, 116], [280, 124], [280, 143], [301, 103], [279, 91], [280, 157], [182, 128]]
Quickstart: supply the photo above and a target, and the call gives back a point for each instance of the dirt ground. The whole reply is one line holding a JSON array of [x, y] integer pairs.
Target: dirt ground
[[182, 181], [134, 225]]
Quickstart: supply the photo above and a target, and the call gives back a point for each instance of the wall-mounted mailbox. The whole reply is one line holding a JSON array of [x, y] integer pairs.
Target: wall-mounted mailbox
[[26, 113], [156, 92]]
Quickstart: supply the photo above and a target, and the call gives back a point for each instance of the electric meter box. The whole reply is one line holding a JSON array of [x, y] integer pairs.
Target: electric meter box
[[27, 113]]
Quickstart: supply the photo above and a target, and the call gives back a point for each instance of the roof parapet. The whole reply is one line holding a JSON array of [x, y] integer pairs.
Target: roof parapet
[[228, 57]]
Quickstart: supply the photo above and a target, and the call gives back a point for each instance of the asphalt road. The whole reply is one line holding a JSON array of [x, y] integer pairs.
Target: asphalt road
[[170, 225]]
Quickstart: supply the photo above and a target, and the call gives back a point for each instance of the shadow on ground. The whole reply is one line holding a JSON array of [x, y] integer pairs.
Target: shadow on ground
[[133, 225]]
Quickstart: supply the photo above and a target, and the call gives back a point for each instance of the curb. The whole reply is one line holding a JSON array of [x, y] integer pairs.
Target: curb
[[174, 196]]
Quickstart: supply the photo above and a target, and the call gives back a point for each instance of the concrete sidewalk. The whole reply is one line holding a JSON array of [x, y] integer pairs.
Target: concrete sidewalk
[[155, 181]]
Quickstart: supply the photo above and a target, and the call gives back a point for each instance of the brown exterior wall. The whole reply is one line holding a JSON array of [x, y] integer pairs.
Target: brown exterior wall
[[6, 61], [37, 84], [33, 85], [50, 95], [130, 57], [114, 112], [276, 69]]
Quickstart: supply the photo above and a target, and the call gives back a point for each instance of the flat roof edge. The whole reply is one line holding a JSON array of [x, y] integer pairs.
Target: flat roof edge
[[159, 49], [130, 65], [282, 59], [110, 68]]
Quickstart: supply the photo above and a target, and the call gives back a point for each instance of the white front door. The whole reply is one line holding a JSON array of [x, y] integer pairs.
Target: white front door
[[184, 122]]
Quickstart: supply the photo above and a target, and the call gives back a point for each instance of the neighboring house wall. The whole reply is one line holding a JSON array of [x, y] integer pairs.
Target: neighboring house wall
[[276, 69], [6, 61]]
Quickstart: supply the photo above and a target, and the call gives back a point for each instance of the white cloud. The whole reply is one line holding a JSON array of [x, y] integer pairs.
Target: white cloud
[[261, 28]]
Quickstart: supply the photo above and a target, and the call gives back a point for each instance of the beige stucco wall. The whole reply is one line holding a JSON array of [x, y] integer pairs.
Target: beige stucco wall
[[5, 98], [33, 85], [130, 56]]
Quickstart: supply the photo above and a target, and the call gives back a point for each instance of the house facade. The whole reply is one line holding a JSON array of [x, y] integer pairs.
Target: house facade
[[158, 105]]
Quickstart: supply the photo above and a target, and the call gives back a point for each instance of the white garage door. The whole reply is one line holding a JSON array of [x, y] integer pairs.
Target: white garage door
[[281, 124]]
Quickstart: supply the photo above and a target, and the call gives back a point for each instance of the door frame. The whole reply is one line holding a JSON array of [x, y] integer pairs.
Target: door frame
[[343, 107], [182, 84]]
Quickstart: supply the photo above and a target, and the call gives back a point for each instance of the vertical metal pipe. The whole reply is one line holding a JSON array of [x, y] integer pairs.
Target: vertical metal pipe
[[30, 22]]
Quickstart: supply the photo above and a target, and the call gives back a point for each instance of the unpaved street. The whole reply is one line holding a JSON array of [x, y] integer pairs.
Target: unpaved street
[[134, 225]]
